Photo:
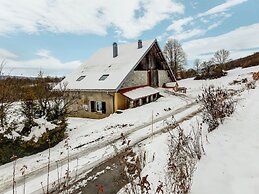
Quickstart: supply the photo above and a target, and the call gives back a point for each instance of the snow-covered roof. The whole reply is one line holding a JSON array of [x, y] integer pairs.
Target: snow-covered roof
[[140, 92], [102, 71]]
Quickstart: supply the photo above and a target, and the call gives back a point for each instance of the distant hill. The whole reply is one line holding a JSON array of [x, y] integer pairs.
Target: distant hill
[[3, 77], [249, 61], [24, 78]]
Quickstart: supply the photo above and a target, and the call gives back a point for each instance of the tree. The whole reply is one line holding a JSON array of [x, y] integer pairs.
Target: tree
[[43, 95], [2, 65], [174, 55], [61, 101], [197, 65], [28, 107], [206, 65], [221, 57], [7, 88]]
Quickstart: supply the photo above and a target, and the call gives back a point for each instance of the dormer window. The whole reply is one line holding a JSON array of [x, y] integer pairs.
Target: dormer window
[[80, 78], [103, 77]]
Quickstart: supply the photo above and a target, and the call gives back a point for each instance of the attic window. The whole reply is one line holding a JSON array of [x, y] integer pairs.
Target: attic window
[[80, 78], [103, 77]]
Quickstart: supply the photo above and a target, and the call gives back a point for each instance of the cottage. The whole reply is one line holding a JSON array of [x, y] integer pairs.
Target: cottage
[[119, 77]]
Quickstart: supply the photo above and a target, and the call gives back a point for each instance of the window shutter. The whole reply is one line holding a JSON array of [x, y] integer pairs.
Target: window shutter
[[103, 107], [92, 106]]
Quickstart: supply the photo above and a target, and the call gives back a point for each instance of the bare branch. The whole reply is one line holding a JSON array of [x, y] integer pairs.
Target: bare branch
[[2, 65], [221, 57], [174, 55]]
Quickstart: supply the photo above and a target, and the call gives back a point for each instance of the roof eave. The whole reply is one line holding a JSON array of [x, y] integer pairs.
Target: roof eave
[[92, 90]]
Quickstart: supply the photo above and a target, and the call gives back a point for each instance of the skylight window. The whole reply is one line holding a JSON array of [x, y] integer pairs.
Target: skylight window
[[103, 77], [80, 78]]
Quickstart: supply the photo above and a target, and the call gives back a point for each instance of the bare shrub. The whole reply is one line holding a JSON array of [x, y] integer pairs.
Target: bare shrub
[[197, 141], [159, 188], [61, 102], [184, 152], [67, 174], [132, 165], [256, 76], [217, 105], [132, 169], [250, 85]]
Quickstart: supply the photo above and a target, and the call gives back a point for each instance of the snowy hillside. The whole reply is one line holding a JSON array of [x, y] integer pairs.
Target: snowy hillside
[[230, 163]]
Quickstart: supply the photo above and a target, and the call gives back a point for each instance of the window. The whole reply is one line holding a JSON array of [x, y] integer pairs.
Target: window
[[139, 102], [103, 77], [80, 78], [144, 100], [151, 98], [154, 96], [147, 99], [131, 104], [98, 106]]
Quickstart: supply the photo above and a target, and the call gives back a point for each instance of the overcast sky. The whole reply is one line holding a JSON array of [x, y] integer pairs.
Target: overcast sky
[[56, 36]]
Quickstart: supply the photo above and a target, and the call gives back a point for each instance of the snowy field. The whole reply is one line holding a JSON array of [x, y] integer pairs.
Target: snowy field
[[229, 166], [230, 163]]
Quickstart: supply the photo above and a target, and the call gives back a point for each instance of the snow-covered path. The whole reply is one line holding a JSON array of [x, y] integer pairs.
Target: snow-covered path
[[231, 164]]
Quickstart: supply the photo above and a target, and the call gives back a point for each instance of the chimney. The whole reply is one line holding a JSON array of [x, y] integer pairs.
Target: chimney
[[115, 50], [139, 44]]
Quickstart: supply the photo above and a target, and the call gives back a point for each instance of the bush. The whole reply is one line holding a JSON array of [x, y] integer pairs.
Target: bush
[[214, 73], [217, 105], [7, 148], [26, 148], [184, 152], [37, 101], [28, 124]]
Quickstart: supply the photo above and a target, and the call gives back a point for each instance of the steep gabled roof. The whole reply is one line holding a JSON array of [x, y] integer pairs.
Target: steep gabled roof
[[102, 71]]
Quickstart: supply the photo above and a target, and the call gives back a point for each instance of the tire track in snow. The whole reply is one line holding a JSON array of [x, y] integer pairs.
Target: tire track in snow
[[118, 151], [89, 149]]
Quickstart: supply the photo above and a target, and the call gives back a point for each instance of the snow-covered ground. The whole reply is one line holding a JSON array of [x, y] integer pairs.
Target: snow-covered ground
[[229, 165], [194, 86], [90, 141], [231, 161]]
